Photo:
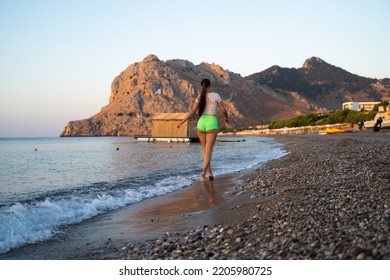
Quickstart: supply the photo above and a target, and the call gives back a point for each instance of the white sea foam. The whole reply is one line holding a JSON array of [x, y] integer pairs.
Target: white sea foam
[[30, 223]]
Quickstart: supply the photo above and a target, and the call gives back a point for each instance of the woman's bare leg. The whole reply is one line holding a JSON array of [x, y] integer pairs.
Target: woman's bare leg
[[202, 139], [211, 136]]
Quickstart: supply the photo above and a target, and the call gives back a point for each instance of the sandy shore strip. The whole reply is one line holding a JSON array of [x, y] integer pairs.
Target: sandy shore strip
[[329, 198]]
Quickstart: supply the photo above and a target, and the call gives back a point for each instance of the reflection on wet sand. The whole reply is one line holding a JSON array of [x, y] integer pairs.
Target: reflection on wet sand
[[183, 210], [200, 196]]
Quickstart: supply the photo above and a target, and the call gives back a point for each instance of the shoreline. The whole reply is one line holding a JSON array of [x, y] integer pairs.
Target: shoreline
[[327, 199], [101, 237]]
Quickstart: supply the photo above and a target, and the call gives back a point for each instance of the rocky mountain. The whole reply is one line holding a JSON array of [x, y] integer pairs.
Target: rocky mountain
[[153, 86], [323, 84]]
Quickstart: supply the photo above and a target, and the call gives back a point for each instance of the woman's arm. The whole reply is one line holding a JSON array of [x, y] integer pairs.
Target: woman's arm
[[189, 114], [223, 110]]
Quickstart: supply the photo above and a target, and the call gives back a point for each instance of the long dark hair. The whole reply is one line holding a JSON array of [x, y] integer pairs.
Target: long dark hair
[[205, 83]]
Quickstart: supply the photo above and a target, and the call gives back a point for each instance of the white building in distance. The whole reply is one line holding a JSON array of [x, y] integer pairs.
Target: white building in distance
[[358, 106]]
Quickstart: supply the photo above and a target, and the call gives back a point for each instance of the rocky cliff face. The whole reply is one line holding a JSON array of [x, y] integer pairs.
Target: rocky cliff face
[[153, 86]]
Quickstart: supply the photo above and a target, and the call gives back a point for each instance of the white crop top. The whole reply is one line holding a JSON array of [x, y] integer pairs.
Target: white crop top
[[212, 99]]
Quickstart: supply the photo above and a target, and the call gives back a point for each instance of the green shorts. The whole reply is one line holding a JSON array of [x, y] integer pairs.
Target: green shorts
[[207, 122]]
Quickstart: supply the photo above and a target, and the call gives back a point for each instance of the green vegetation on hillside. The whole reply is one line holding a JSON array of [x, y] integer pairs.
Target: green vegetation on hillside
[[341, 116], [305, 120]]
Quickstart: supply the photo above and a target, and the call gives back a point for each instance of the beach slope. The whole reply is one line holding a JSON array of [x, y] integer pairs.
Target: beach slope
[[329, 198]]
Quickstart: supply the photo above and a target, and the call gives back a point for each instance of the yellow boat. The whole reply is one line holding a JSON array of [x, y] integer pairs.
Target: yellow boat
[[334, 131]]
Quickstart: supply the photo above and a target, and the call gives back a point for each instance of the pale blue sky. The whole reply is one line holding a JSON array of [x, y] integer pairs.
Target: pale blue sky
[[58, 58]]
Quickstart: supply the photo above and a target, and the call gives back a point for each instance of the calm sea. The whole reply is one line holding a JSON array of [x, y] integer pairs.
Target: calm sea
[[46, 183]]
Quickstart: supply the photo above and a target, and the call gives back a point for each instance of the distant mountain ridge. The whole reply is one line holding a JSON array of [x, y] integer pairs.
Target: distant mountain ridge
[[323, 84], [152, 86]]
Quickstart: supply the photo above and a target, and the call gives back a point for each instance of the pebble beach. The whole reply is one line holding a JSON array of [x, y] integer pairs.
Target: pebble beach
[[328, 198]]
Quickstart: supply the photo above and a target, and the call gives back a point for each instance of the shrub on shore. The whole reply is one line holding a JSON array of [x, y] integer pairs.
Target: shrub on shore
[[341, 116]]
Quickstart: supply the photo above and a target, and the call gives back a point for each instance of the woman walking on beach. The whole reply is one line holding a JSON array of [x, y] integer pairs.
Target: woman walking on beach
[[207, 104]]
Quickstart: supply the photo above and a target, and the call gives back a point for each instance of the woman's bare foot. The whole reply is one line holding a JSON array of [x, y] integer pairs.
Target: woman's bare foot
[[202, 177], [211, 177]]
